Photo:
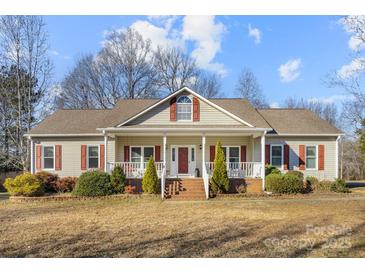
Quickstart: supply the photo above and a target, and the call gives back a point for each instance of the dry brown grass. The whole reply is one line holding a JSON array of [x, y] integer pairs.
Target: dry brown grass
[[147, 227]]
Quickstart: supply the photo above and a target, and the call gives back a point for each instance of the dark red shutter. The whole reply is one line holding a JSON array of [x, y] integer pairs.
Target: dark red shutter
[[320, 157], [267, 154], [173, 109], [302, 157], [38, 157], [286, 157], [126, 153], [196, 110], [58, 156], [212, 153], [83, 157], [101, 157], [157, 153], [243, 153]]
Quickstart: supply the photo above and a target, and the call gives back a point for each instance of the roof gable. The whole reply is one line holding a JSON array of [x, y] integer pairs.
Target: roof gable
[[185, 89]]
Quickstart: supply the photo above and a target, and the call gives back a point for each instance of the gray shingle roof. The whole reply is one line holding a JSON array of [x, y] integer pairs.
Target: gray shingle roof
[[291, 121]]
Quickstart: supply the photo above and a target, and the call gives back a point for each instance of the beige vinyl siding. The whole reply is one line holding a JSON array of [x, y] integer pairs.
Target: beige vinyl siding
[[71, 151], [209, 115], [329, 172]]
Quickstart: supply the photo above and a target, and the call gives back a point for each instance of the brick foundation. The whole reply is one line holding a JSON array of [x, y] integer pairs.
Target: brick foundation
[[253, 185]]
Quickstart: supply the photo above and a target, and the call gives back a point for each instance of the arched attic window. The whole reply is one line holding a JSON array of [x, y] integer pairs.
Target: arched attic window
[[184, 108]]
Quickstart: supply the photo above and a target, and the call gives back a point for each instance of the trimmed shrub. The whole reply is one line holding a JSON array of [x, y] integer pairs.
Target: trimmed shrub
[[49, 180], [322, 186], [93, 183], [66, 184], [25, 184], [269, 169], [287, 183], [150, 179], [219, 181], [118, 179], [297, 173], [340, 186]]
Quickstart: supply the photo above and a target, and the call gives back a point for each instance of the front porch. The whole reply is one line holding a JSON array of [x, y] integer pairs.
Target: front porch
[[186, 156]]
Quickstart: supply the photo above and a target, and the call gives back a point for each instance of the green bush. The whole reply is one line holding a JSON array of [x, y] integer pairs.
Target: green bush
[[340, 186], [150, 179], [269, 169], [25, 184], [118, 179], [94, 183], [220, 180], [49, 180], [297, 173], [287, 183], [322, 186]]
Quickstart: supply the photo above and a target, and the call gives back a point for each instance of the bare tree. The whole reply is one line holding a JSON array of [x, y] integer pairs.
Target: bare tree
[[327, 111], [174, 68], [133, 60], [250, 89], [207, 84], [23, 50]]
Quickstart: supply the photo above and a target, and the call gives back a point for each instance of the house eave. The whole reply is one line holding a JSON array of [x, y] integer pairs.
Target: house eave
[[304, 134], [62, 134]]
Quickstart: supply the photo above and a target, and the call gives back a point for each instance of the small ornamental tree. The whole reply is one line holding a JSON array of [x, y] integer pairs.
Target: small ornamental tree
[[118, 179], [220, 181], [150, 179]]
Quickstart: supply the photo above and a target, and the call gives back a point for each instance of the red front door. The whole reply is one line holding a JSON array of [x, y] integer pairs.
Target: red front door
[[183, 160]]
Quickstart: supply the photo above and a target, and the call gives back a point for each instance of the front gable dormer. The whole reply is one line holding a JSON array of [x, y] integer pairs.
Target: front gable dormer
[[184, 107]]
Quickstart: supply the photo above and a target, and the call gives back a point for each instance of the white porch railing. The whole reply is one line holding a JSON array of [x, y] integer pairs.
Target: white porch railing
[[133, 169], [239, 169]]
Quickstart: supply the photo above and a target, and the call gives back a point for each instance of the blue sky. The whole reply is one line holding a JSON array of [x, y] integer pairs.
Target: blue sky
[[306, 48]]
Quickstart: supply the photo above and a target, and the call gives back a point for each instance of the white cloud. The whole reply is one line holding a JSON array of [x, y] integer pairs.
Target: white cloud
[[356, 44], [159, 35], [353, 69], [207, 36], [290, 70], [255, 33], [274, 105], [54, 52], [328, 100]]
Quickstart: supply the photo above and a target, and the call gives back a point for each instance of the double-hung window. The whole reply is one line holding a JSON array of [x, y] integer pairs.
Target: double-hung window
[[141, 154], [48, 157], [276, 153], [184, 108], [231, 154], [93, 156], [311, 157]]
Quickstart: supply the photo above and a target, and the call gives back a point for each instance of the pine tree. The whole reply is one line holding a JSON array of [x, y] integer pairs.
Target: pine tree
[[150, 179], [118, 179], [220, 181]]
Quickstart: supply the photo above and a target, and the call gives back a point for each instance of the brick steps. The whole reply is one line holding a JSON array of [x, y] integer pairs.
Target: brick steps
[[185, 189]]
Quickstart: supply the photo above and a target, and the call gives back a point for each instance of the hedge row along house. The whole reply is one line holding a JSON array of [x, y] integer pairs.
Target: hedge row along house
[[180, 131]]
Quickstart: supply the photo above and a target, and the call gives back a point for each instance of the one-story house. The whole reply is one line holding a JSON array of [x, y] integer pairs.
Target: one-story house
[[180, 131]]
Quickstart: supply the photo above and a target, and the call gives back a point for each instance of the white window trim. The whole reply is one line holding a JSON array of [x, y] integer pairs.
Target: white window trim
[[282, 154], [54, 157], [87, 156], [142, 152], [239, 152], [191, 112], [305, 157]]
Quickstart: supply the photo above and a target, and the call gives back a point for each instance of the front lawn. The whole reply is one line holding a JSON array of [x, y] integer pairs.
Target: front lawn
[[319, 225]]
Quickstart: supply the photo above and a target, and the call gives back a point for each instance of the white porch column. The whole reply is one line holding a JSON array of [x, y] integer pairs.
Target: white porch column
[[203, 151], [105, 152], [163, 175], [31, 155], [336, 155], [263, 160]]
